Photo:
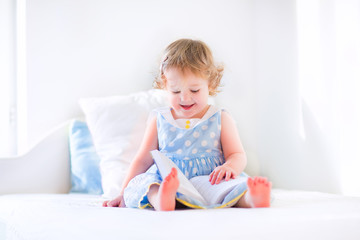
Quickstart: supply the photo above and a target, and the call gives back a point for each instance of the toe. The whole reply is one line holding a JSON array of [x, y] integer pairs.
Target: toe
[[268, 184], [260, 180], [174, 172], [167, 178], [250, 182], [263, 180], [256, 180]]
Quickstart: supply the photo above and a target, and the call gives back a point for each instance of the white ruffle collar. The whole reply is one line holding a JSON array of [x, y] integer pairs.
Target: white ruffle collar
[[186, 123]]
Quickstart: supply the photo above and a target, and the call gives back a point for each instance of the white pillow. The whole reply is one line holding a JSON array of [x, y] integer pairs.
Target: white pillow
[[117, 125]]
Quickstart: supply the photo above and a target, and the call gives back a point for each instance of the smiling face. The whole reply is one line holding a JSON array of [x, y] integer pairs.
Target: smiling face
[[188, 93]]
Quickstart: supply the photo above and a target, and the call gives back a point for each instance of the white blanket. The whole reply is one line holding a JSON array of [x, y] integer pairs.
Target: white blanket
[[293, 215]]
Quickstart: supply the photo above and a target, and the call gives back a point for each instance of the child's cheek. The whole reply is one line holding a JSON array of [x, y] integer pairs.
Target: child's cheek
[[174, 102]]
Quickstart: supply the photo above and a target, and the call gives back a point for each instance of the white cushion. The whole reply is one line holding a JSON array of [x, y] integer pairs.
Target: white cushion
[[117, 125]]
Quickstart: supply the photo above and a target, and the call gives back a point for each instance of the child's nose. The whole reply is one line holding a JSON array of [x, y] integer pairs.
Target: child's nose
[[185, 97]]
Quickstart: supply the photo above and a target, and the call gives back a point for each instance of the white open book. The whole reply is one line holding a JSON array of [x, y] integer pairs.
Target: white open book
[[199, 187]]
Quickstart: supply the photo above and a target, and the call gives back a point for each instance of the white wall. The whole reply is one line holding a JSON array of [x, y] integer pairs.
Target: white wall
[[99, 48]]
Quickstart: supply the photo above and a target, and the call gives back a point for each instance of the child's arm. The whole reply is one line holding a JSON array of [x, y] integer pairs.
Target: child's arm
[[235, 157], [141, 162]]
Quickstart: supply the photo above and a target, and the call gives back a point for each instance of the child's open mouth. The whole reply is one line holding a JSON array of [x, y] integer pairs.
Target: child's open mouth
[[187, 107]]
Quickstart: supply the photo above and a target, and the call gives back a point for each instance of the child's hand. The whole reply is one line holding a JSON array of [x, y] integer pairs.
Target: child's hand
[[220, 173], [116, 202]]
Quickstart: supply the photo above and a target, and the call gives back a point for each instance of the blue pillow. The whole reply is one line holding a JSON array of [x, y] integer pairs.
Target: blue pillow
[[85, 173]]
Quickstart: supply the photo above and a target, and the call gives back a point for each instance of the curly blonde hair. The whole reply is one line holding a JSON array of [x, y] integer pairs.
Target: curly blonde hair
[[193, 55]]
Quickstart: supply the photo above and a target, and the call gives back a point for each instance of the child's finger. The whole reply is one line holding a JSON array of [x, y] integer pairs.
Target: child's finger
[[105, 203], [211, 175], [214, 177], [227, 176], [220, 176]]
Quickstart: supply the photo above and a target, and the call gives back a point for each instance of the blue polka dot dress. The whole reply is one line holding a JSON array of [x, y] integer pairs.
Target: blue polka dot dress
[[194, 146]]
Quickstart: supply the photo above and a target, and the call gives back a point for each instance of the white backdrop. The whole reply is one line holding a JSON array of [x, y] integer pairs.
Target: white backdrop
[[90, 48]]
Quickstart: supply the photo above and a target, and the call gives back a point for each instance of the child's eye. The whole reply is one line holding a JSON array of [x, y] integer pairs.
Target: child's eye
[[195, 91], [175, 92]]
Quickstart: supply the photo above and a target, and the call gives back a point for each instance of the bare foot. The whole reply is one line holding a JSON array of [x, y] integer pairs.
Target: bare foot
[[259, 192], [167, 192]]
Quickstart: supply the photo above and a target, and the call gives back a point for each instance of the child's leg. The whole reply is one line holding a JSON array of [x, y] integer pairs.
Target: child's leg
[[163, 197], [258, 194]]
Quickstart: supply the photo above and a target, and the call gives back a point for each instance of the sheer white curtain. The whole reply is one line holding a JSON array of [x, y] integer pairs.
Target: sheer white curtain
[[329, 78], [7, 77], [13, 138]]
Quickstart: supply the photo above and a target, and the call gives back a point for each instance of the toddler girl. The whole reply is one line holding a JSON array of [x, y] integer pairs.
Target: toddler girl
[[199, 138]]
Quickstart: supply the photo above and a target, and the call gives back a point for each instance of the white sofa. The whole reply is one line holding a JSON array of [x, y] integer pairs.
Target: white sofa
[[45, 168]]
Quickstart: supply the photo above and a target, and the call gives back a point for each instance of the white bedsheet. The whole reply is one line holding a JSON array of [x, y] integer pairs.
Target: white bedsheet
[[293, 215]]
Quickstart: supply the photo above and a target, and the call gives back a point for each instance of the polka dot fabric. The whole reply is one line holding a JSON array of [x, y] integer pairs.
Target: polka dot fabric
[[196, 150]]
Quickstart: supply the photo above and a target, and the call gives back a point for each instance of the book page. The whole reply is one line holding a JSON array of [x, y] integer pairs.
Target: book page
[[165, 165], [214, 194]]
